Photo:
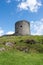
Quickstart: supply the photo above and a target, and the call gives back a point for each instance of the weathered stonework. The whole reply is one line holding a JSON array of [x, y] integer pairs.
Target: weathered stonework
[[22, 28]]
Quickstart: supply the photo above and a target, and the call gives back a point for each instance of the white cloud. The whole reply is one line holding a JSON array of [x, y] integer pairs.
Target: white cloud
[[8, 1], [37, 27], [1, 32], [10, 32], [32, 5]]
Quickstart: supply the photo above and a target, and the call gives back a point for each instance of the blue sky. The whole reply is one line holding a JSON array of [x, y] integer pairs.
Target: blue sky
[[13, 10]]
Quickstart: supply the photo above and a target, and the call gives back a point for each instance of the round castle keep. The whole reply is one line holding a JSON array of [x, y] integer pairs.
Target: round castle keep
[[22, 28]]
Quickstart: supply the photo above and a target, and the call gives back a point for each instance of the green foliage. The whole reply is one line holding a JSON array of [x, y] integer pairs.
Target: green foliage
[[13, 56], [20, 41]]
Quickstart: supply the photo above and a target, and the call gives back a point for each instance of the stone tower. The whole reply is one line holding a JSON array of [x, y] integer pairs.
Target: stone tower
[[22, 28]]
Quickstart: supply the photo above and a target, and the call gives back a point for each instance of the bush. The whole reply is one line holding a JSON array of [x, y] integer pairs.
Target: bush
[[30, 41], [21, 41], [22, 48]]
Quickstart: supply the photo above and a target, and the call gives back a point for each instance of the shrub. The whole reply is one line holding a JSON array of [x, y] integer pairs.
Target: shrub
[[21, 41], [22, 48], [30, 41]]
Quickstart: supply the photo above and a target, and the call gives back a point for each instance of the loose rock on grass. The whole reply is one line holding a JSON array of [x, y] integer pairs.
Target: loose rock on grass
[[2, 49]]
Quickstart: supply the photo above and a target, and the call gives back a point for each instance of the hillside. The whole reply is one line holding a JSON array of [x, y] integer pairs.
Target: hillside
[[21, 50]]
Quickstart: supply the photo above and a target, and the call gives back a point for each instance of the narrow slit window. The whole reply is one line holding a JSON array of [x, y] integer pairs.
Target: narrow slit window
[[21, 26]]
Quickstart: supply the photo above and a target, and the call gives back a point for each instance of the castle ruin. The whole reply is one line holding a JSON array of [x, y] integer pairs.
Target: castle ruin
[[22, 27]]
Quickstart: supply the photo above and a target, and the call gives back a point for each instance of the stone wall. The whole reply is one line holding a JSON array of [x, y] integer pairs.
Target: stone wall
[[22, 28]]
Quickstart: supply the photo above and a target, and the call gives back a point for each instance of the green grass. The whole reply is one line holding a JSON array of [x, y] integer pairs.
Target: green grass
[[12, 56], [15, 57]]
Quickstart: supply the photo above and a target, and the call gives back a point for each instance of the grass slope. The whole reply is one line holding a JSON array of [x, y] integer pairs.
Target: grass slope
[[19, 58], [16, 57]]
